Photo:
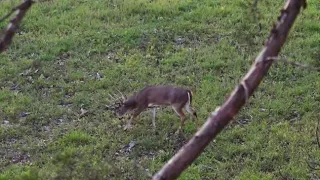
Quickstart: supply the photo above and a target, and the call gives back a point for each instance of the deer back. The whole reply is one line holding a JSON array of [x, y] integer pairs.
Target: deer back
[[162, 95]]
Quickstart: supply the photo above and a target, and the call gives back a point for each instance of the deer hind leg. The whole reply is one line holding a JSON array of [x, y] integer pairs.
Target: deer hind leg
[[179, 111], [191, 111], [133, 117]]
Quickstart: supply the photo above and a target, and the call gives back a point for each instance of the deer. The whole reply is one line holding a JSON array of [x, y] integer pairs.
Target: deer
[[153, 96]]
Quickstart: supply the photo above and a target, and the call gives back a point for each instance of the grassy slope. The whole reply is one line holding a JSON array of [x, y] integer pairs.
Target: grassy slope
[[205, 45]]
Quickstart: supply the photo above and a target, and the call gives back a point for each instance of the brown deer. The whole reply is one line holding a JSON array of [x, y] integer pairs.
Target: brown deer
[[152, 97]]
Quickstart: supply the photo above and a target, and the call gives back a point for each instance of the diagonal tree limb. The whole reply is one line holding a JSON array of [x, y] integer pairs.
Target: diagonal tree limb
[[222, 116], [14, 23]]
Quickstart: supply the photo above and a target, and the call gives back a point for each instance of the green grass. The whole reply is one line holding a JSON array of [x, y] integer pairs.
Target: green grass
[[50, 72]]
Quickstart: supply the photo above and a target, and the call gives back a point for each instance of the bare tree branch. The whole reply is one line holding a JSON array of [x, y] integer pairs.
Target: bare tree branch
[[306, 66], [222, 116], [14, 23]]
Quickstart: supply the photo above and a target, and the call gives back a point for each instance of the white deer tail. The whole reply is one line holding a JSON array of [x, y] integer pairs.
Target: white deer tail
[[189, 97]]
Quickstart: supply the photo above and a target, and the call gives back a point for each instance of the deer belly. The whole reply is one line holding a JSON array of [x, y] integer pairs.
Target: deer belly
[[151, 105]]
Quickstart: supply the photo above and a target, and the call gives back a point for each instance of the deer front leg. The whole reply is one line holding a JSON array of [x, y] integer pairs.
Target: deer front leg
[[154, 118], [135, 114]]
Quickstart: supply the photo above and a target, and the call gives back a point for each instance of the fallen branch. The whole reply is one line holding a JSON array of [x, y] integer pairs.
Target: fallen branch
[[14, 23], [222, 116]]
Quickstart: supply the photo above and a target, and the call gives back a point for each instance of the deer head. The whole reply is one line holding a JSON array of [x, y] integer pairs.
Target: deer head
[[126, 106]]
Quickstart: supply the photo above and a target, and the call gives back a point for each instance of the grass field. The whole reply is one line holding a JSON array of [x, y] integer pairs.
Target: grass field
[[50, 72]]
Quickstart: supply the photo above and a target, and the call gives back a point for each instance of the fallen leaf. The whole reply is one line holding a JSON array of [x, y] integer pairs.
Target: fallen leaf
[[83, 112]]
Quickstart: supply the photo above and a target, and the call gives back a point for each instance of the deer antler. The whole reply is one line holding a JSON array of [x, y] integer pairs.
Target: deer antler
[[124, 97], [113, 97], [115, 101]]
